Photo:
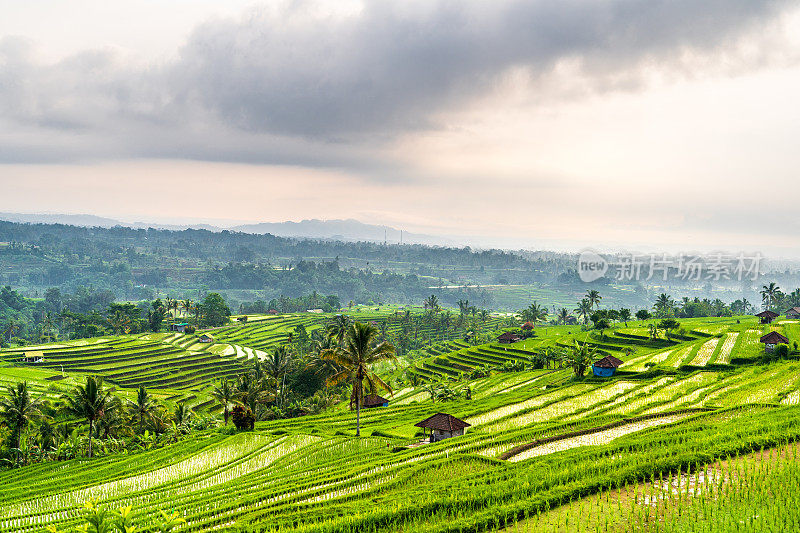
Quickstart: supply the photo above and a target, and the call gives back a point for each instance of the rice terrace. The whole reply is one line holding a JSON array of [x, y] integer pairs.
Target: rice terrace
[[692, 429], [429, 266]]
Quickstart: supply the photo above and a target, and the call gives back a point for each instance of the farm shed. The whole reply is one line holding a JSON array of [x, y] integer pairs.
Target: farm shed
[[33, 357], [606, 366], [794, 312], [508, 338], [371, 400], [767, 316], [772, 339], [180, 328], [443, 426], [205, 337]]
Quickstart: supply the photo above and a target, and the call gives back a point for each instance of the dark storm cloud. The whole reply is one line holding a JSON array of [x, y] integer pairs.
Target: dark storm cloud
[[285, 85]]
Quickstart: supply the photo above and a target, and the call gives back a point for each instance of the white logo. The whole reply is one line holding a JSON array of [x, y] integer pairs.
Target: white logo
[[591, 266]]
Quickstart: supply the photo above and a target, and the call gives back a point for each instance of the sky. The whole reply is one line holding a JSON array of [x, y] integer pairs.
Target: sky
[[666, 124]]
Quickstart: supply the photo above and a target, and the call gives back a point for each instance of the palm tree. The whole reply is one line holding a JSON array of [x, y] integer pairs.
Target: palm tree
[[594, 297], [664, 305], [89, 402], [484, 315], [337, 328], [563, 316], [625, 315], [187, 305], [276, 366], [356, 358], [224, 394], [17, 410], [182, 413], [431, 303], [12, 326], [770, 294], [579, 358], [142, 407], [534, 313], [584, 309]]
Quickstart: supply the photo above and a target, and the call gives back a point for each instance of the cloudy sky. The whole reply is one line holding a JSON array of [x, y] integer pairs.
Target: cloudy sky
[[546, 123]]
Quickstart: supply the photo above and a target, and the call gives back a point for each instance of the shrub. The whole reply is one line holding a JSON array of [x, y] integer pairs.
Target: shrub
[[781, 351], [243, 418]]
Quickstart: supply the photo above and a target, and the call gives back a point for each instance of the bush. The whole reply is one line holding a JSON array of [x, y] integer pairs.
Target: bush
[[189, 330], [781, 351], [243, 418]]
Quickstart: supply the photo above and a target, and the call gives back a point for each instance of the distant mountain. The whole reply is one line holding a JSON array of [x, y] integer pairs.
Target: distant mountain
[[90, 221], [341, 230], [93, 221]]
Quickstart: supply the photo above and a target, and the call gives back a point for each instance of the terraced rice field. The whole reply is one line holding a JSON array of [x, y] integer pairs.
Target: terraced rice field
[[539, 440]]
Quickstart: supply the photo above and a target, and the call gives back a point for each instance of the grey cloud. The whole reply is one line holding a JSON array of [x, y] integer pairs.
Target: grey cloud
[[281, 85]]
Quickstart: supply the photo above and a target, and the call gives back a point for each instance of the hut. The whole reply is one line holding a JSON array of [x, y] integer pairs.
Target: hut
[[772, 339], [508, 338], [794, 312], [273, 312], [33, 357], [767, 316], [606, 366], [180, 328], [205, 337], [528, 326], [370, 401], [443, 426]]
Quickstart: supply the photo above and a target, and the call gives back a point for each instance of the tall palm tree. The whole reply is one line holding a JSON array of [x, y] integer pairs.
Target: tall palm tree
[[89, 402], [563, 316], [356, 357], [594, 297], [337, 327], [225, 395], [142, 407], [187, 306], [770, 294], [584, 309], [182, 414], [534, 313], [12, 326], [431, 303], [276, 366], [664, 305], [18, 409], [579, 358]]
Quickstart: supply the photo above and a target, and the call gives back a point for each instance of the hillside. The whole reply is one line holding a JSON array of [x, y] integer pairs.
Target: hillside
[[538, 440]]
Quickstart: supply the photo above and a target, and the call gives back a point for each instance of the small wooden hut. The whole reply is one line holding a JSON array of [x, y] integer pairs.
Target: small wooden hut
[[180, 328], [370, 401], [443, 426], [606, 366], [794, 312], [205, 337], [767, 316], [508, 337], [33, 357], [772, 339]]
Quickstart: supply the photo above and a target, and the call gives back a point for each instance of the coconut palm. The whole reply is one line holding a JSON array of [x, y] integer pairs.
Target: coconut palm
[[584, 310], [17, 410], [276, 366], [187, 306], [142, 407], [563, 316], [594, 297], [337, 327], [579, 358], [770, 294], [89, 402], [356, 357], [12, 327], [534, 313], [664, 305], [225, 395], [431, 303]]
